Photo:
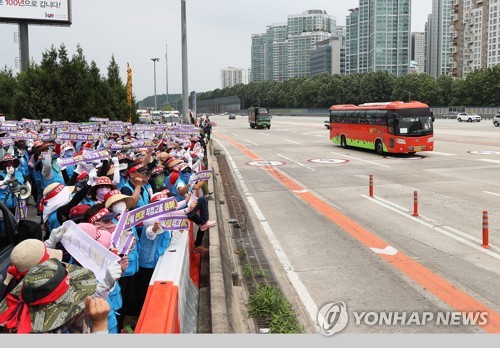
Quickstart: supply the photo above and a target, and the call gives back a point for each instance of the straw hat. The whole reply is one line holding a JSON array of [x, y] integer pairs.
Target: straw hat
[[172, 162], [114, 196], [29, 253], [62, 289]]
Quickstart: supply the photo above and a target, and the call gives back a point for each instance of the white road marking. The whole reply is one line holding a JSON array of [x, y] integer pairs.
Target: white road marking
[[441, 228], [293, 142], [250, 142], [490, 161], [492, 193], [298, 163], [389, 250], [358, 159], [442, 153], [294, 278], [236, 135], [321, 136]]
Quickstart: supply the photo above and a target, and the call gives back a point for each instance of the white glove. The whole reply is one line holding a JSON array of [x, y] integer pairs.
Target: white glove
[[113, 273], [92, 177], [59, 160], [192, 180], [55, 236], [116, 162], [10, 170], [4, 181]]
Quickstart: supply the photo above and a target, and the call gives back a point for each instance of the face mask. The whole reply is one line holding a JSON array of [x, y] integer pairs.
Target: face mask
[[159, 179], [119, 207], [185, 177], [101, 192]]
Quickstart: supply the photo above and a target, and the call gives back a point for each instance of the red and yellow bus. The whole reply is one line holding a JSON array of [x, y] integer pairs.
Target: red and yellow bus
[[393, 127]]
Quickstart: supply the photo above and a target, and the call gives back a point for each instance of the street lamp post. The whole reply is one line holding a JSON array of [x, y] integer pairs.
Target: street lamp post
[[154, 65], [166, 65]]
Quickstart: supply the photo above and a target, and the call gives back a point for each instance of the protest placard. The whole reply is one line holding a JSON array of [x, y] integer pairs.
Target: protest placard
[[87, 251], [79, 136], [89, 156], [203, 175], [6, 142], [153, 210], [174, 222]]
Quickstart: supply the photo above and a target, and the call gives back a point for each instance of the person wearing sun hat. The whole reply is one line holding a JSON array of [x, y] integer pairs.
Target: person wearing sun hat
[[68, 151], [57, 202], [109, 288], [102, 186], [24, 256], [158, 176], [137, 186], [54, 298]]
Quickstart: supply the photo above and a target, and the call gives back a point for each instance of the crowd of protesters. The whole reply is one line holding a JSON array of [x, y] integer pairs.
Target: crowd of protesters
[[92, 174]]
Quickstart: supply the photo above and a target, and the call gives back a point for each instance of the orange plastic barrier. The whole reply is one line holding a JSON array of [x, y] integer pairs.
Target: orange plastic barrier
[[171, 304]]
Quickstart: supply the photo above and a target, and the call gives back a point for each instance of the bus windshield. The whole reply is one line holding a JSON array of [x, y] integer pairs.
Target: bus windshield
[[414, 122]]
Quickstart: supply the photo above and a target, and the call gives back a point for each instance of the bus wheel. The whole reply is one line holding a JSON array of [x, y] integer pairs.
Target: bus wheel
[[412, 153], [268, 127], [379, 148], [343, 142]]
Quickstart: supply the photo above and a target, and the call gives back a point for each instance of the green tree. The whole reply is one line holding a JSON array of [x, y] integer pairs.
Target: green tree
[[8, 87]]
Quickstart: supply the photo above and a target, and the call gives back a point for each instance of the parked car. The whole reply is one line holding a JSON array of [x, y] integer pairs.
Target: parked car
[[463, 116], [232, 117], [496, 120]]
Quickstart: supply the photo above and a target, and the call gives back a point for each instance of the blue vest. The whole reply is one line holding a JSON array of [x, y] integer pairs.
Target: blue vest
[[3, 192], [115, 303], [151, 250], [56, 177], [143, 197], [52, 221]]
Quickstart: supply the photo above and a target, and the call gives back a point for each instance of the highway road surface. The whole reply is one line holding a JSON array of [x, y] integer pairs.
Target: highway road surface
[[373, 259]]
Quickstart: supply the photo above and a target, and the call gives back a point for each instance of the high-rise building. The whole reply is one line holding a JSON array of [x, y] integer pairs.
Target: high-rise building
[[304, 31], [284, 51], [474, 36], [258, 60], [328, 56], [438, 38], [418, 51], [230, 77], [276, 53], [378, 37]]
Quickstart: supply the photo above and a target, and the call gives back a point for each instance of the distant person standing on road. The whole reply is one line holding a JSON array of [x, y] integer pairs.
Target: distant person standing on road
[[208, 128]]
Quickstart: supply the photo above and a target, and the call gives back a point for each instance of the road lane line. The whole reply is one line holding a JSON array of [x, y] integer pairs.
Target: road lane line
[[489, 161], [442, 153], [291, 160], [236, 135], [439, 287], [293, 142], [250, 142], [436, 226], [362, 160], [492, 193], [292, 275]]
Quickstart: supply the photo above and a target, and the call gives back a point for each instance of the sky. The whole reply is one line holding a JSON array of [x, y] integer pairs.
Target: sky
[[218, 36]]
